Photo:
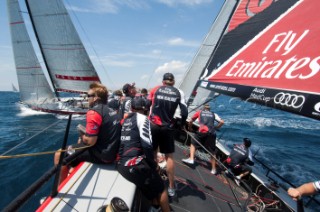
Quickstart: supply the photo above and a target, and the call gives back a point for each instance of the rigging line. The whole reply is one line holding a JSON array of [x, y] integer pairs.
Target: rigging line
[[30, 138], [94, 50], [198, 181], [71, 186], [40, 153], [212, 155], [154, 71], [203, 191], [220, 163], [205, 102]]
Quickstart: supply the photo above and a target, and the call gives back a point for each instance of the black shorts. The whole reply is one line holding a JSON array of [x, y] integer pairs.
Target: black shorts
[[82, 155], [162, 137], [208, 140], [241, 169], [146, 179]]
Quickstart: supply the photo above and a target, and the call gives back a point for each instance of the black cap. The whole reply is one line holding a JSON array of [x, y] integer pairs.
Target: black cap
[[207, 106], [168, 76], [126, 87], [247, 142], [138, 103], [144, 91], [114, 104]]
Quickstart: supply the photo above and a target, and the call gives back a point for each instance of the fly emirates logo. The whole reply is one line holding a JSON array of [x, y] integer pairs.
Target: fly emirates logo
[[291, 67]]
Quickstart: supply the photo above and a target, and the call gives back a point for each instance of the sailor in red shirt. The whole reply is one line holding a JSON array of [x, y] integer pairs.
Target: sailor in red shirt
[[102, 134], [164, 102], [206, 134]]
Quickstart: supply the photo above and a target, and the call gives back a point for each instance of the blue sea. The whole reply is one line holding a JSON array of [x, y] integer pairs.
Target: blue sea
[[285, 142]]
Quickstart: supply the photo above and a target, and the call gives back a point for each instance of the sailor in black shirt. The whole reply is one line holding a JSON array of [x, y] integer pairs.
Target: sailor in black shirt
[[238, 159], [130, 91], [164, 102], [136, 159]]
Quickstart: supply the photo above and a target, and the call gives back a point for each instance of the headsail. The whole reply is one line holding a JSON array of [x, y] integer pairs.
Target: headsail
[[33, 85], [68, 63], [271, 58], [200, 61]]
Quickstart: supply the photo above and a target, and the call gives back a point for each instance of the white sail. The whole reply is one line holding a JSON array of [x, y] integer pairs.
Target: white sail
[[68, 63], [14, 89], [200, 61], [33, 86]]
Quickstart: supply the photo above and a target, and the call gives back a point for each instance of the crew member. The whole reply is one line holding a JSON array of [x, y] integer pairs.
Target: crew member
[[206, 134], [304, 190], [239, 159], [136, 159], [164, 102], [129, 91], [101, 141]]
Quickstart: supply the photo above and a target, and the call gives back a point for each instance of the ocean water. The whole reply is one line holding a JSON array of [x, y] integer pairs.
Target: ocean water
[[285, 142]]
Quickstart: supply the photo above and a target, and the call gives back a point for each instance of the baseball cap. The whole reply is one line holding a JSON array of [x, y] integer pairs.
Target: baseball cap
[[138, 103], [247, 142], [168, 76], [127, 86]]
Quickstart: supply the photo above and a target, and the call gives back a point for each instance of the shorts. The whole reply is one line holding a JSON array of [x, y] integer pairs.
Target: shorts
[[82, 155], [146, 179], [208, 140], [162, 137], [241, 169]]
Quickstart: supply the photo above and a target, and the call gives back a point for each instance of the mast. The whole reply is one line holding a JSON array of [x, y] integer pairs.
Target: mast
[[202, 58], [42, 53]]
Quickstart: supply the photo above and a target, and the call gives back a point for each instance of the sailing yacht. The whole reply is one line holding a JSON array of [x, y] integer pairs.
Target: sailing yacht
[[254, 52], [66, 61]]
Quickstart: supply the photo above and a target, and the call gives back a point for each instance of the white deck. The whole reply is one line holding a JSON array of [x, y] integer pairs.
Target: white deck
[[90, 187]]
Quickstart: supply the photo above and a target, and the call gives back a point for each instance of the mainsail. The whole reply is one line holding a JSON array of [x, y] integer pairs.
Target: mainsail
[[14, 89], [68, 63], [33, 84], [269, 55]]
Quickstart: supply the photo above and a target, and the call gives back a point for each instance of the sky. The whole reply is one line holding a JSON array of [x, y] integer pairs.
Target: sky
[[128, 40]]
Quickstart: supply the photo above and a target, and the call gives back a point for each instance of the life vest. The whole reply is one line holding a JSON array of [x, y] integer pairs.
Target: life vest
[[206, 121], [107, 145]]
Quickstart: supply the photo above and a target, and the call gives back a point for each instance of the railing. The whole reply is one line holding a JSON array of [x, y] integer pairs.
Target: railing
[[27, 194], [269, 170]]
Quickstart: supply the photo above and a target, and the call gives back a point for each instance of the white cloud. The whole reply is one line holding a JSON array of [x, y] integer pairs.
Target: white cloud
[[181, 42], [144, 77], [177, 68], [172, 3], [109, 6]]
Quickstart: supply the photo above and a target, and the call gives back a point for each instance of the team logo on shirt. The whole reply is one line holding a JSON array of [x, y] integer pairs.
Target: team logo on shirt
[[95, 127]]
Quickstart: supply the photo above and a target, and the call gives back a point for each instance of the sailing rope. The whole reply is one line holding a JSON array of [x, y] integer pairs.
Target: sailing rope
[[212, 155], [220, 164], [13, 148], [40, 153], [259, 204]]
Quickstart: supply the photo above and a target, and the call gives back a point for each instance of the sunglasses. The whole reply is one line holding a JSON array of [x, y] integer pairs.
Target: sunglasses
[[91, 95]]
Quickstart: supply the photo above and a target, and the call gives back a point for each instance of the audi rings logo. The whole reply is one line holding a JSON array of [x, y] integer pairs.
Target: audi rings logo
[[317, 107], [290, 100]]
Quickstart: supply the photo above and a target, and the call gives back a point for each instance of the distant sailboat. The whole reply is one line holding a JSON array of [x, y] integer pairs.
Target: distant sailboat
[[67, 62], [14, 89]]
